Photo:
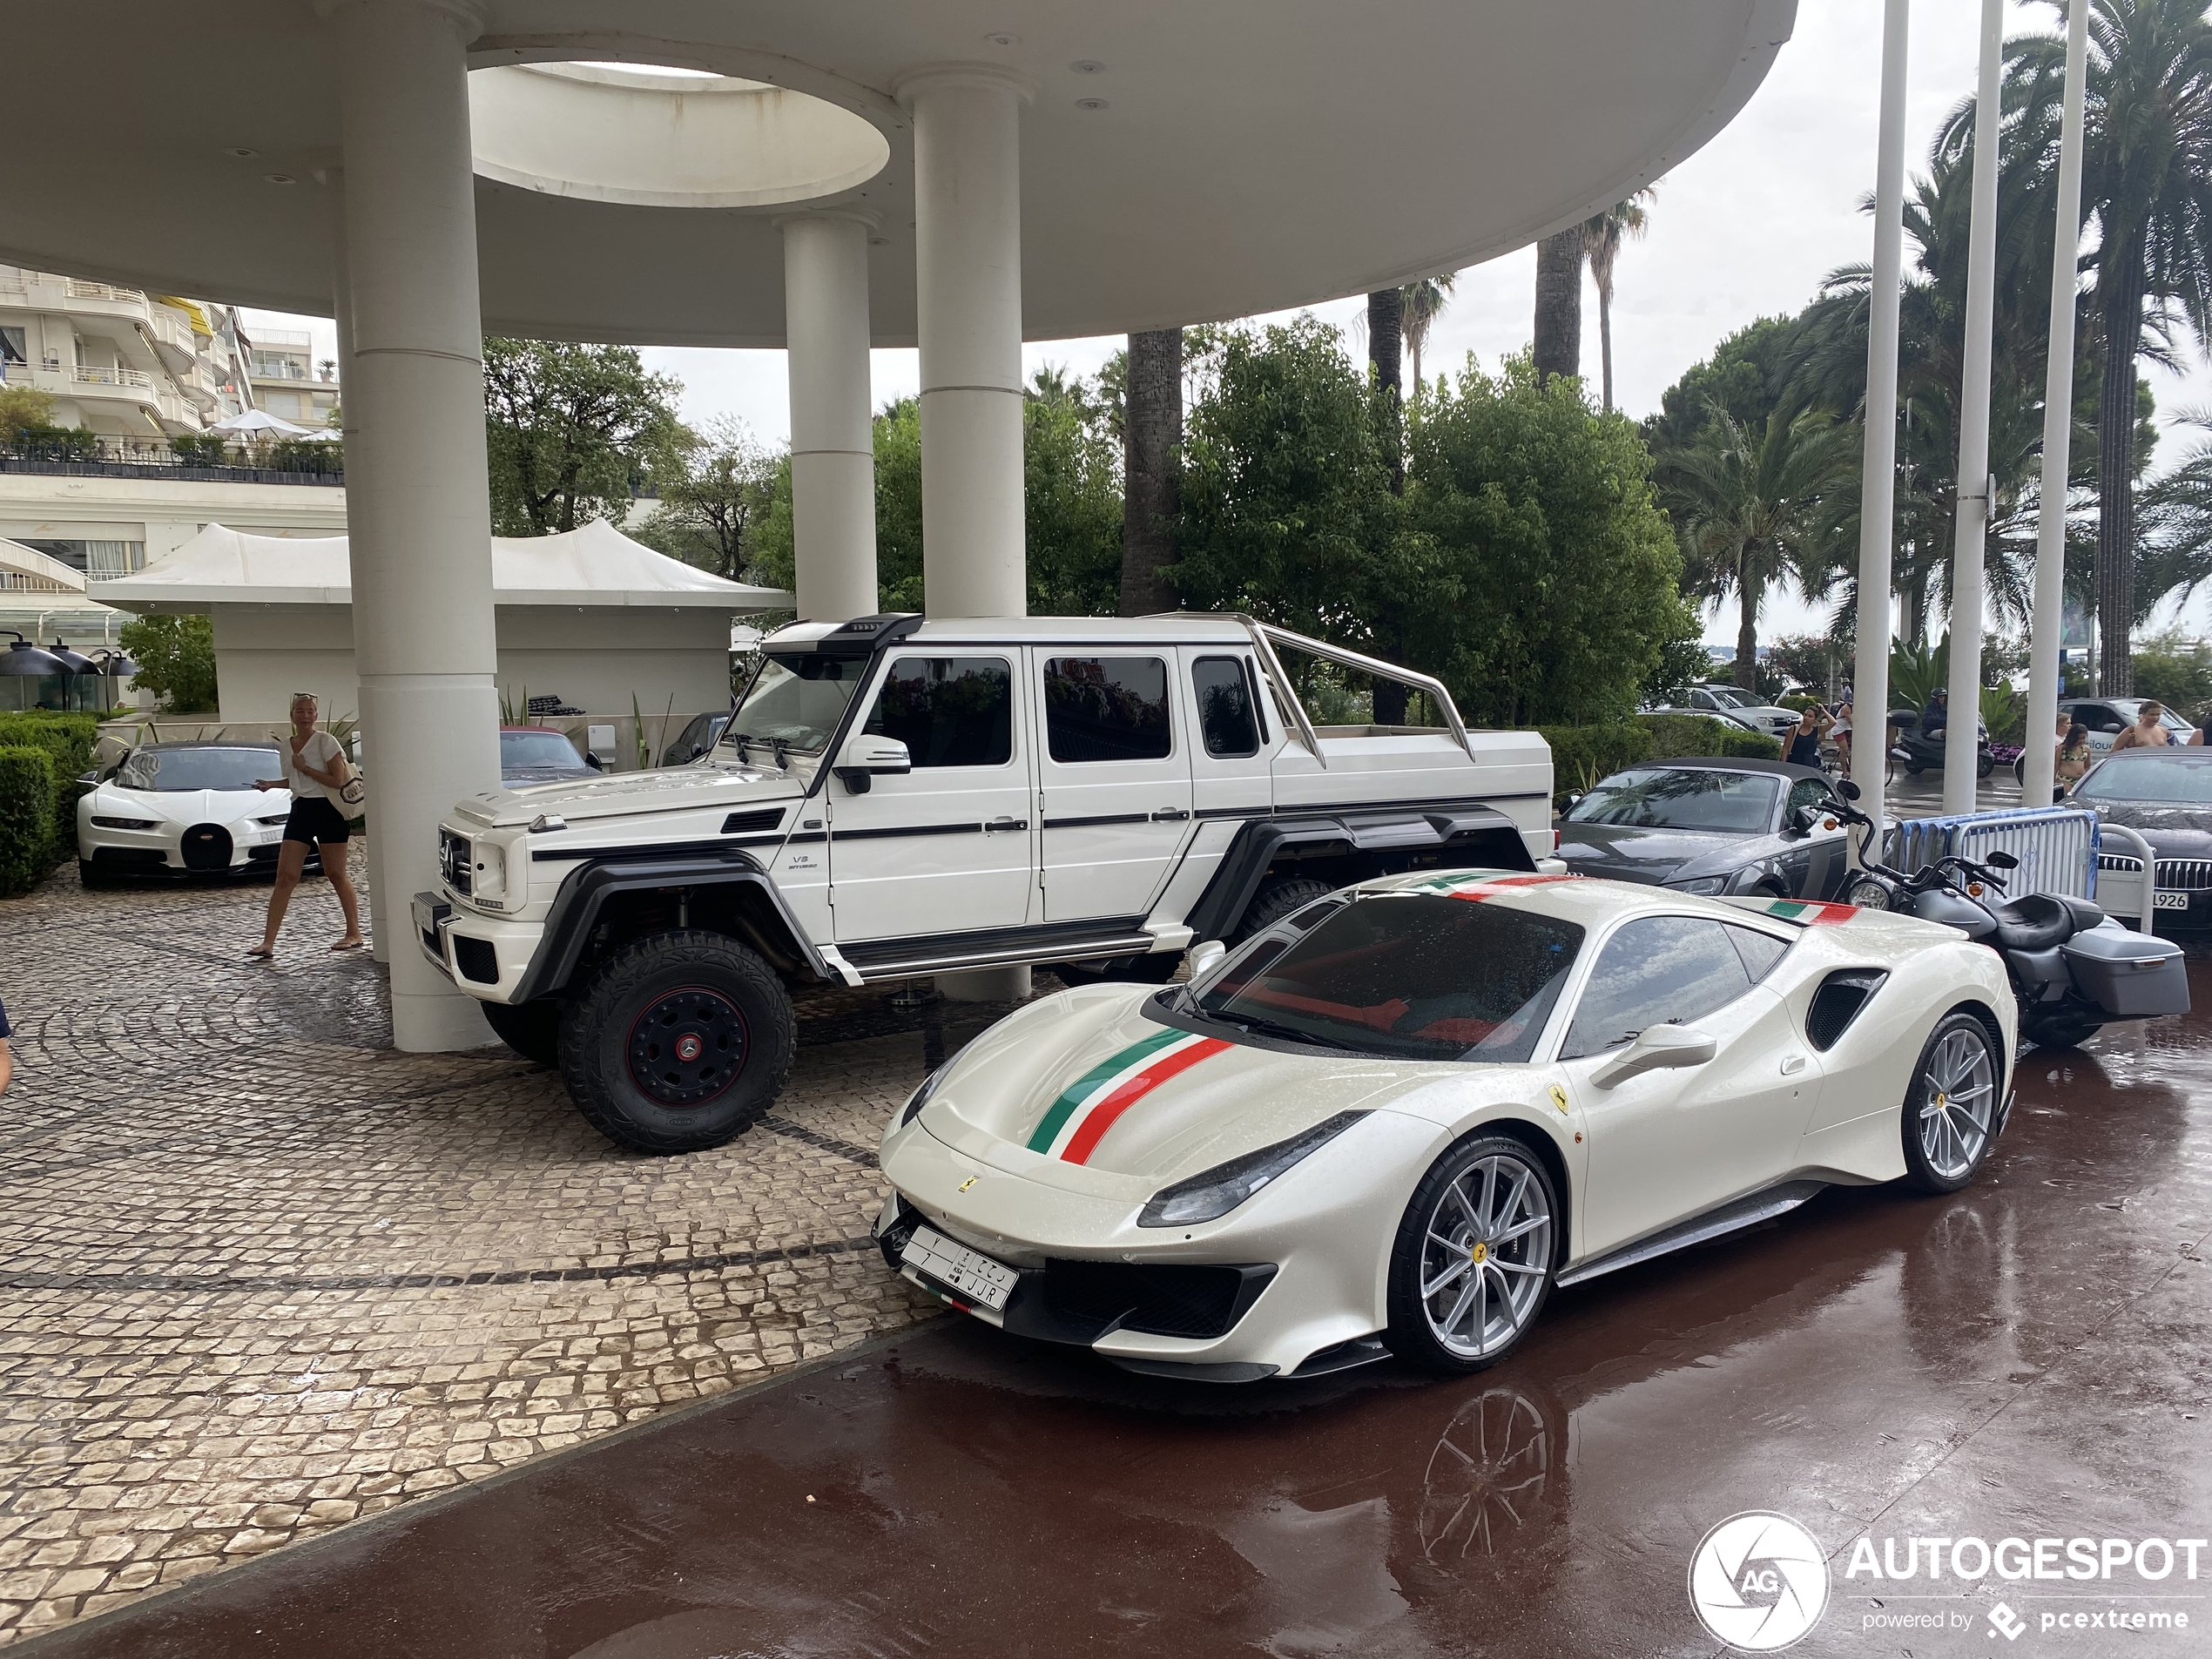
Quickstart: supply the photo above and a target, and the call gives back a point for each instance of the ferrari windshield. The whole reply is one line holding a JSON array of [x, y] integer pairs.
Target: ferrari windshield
[[170, 770], [1683, 798], [795, 702], [2169, 780], [1419, 975]]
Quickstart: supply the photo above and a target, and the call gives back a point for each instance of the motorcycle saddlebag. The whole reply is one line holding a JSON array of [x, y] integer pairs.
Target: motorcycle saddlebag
[[2131, 976]]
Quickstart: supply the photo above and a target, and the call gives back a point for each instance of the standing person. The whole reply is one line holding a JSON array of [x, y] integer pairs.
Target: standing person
[[1841, 732], [314, 771], [1804, 742], [2075, 756], [2149, 731], [6, 1060]]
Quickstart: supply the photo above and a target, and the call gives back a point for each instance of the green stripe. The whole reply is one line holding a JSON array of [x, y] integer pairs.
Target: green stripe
[[1056, 1119], [1788, 909]]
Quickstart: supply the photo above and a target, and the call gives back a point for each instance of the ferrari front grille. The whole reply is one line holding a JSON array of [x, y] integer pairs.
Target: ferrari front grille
[[1165, 1300]]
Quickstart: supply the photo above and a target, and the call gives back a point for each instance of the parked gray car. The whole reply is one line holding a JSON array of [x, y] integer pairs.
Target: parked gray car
[[1711, 827]]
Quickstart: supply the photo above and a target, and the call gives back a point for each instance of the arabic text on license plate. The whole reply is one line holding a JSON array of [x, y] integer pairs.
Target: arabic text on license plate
[[960, 1269], [2170, 901]]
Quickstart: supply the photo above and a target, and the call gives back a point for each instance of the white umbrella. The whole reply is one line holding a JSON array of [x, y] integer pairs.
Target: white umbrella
[[327, 435], [255, 422]]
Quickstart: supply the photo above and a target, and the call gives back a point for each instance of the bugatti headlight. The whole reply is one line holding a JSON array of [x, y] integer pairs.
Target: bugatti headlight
[[1702, 884], [1214, 1194], [123, 823], [1868, 894]]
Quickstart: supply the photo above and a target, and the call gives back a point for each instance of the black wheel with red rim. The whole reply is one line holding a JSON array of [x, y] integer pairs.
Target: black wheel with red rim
[[676, 1041]]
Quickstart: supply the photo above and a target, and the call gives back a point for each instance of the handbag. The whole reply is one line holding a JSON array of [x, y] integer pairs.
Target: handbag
[[352, 794]]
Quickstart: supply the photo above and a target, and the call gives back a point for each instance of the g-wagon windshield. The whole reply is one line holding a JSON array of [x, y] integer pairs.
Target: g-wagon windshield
[[1419, 976], [795, 702]]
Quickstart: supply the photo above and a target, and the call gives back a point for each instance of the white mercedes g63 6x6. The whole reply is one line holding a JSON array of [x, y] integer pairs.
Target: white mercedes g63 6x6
[[895, 797]]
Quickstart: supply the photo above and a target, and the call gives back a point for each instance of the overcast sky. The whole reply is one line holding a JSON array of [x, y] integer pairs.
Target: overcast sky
[[1745, 228]]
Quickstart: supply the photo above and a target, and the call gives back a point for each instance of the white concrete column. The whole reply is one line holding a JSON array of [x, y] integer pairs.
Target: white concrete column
[[2040, 774], [833, 437], [968, 284], [1961, 746], [417, 502], [1878, 479]]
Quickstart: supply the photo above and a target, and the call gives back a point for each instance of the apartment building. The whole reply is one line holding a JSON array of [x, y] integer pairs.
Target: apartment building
[[287, 381]]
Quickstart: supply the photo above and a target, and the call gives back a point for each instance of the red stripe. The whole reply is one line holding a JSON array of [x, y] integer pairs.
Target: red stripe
[[1830, 914], [1093, 1128], [1489, 889]]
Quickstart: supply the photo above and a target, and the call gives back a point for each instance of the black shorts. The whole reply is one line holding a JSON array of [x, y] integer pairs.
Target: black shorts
[[314, 822]]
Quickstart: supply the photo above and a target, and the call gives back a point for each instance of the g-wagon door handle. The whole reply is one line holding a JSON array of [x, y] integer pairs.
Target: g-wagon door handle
[[1170, 815], [997, 824]]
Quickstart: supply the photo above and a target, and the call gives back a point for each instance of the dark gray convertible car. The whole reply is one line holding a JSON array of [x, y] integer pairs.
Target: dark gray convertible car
[[1711, 827]]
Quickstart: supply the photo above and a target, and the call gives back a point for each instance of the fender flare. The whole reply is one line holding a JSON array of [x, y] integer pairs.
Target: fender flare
[[585, 891], [1244, 865]]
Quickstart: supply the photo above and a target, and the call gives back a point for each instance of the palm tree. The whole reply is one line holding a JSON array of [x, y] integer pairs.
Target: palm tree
[[2147, 177], [1151, 469], [1602, 234], [1748, 502], [1419, 305], [1558, 348]]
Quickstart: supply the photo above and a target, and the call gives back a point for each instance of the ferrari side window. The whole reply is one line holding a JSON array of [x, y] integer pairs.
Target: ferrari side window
[[1651, 972], [1760, 951]]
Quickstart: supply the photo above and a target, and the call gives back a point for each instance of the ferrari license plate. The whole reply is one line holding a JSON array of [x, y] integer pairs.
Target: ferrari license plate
[[965, 1273], [2170, 901]]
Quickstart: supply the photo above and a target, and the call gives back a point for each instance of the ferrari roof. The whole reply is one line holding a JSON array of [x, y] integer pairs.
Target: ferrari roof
[[1729, 763]]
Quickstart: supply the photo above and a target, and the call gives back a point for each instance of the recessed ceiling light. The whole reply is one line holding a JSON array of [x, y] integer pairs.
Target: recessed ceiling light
[[280, 178], [879, 241], [1091, 103], [242, 153], [1002, 38], [1088, 66]]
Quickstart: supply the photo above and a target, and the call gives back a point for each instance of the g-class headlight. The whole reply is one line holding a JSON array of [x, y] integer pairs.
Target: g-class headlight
[[1214, 1194], [489, 877]]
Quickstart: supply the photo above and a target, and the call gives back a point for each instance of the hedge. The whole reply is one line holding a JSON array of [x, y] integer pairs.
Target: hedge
[[72, 742], [27, 840], [1582, 754]]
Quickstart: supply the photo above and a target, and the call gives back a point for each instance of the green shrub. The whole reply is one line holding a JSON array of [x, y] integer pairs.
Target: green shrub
[[176, 661], [59, 443], [200, 448], [1582, 754], [27, 839], [72, 742], [1684, 736]]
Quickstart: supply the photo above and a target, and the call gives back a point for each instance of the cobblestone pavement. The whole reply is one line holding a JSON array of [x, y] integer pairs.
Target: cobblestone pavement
[[261, 1274]]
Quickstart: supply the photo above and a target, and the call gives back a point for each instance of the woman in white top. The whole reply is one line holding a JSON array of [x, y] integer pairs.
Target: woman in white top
[[314, 771]]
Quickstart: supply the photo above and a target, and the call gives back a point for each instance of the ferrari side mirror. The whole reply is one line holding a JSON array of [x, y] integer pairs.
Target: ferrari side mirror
[[1206, 956], [1656, 1048]]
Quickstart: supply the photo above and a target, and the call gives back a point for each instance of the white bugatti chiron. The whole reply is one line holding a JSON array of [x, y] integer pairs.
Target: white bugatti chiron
[[182, 809], [1394, 1120]]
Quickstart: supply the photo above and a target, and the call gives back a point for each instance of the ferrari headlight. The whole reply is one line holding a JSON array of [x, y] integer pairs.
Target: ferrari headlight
[[123, 823], [1213, 1194], [1868, 894], [1701, 884], [912, 1110]]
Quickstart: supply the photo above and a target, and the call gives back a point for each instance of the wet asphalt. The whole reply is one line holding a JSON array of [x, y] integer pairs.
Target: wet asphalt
[[2031, 1357]]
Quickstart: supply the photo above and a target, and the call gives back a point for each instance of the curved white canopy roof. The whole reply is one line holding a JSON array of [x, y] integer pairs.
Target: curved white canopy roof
[[1182, 160], [593, 567]]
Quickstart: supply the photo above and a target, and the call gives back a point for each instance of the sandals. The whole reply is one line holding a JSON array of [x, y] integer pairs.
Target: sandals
[[351, 944], [261, 954]]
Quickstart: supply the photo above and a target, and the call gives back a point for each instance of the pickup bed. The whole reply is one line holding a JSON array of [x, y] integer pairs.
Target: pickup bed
[[894, 797]]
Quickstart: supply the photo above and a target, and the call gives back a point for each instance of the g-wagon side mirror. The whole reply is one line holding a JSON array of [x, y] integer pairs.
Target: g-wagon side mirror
[[868, 757]]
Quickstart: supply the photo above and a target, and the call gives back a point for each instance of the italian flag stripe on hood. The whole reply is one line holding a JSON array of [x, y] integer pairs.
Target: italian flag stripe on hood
[[1078, 1119]]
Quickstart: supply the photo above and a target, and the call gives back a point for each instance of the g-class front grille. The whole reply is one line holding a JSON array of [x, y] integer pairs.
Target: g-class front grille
[[454, 852]]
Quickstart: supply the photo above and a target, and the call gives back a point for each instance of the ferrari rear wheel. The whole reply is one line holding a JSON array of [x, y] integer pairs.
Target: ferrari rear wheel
[[1473, 1263], [1951, 1109]]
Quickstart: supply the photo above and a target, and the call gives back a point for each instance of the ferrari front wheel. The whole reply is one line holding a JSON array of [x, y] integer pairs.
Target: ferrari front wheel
[[1949, 1116], [1472, 1262]]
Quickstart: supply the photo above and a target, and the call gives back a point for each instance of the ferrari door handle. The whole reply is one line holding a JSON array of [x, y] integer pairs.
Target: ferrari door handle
[[1001, 824], [1170, 815], [1792, 1064]]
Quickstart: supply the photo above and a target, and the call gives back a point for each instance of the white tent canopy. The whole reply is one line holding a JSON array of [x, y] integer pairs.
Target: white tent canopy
[[594, 566], [254, 422]]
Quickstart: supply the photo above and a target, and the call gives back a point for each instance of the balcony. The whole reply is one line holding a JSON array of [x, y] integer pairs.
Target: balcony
[[86, 375], [79, 290], [200, 460]]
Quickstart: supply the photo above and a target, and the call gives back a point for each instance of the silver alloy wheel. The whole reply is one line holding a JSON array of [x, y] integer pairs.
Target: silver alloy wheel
[[1486, 1250], [1959, 1095]]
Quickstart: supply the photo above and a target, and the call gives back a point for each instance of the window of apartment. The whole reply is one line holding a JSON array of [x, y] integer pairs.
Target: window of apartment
[[12, 345]]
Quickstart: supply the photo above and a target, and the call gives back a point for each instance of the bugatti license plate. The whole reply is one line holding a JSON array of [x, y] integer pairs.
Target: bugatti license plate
[[967, 1274]]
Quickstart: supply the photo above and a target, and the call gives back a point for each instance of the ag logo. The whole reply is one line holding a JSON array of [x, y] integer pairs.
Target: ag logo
[[1758, 1581]]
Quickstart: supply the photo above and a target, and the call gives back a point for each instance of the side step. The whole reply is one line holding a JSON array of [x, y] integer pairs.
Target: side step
[[1747, 1211]]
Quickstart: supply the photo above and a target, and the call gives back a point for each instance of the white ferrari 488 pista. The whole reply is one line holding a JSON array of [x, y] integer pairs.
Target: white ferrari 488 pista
[[1394, 1120], [182, 809]]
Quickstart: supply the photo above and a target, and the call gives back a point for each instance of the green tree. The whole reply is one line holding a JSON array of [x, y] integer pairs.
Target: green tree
[[1419, 305], [2147, 178], [1743, 376], [715, 491], [1602, 234], [572, 430], [1540, 577], [1748, 502], [24, 408], [176, 657]]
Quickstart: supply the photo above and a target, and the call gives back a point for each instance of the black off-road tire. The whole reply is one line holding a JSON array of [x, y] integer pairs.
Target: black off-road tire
[[531, 1030], [1411, 1335], [1285, 895], [630, 1022], [1154, 967], [1958, 1032]]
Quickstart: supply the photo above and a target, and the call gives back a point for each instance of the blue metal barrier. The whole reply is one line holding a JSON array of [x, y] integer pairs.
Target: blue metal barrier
[[2056, 845]]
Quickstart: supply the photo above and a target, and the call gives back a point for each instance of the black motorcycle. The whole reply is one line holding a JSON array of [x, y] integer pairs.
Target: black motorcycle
[[1917, 754], [2072, 970]]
